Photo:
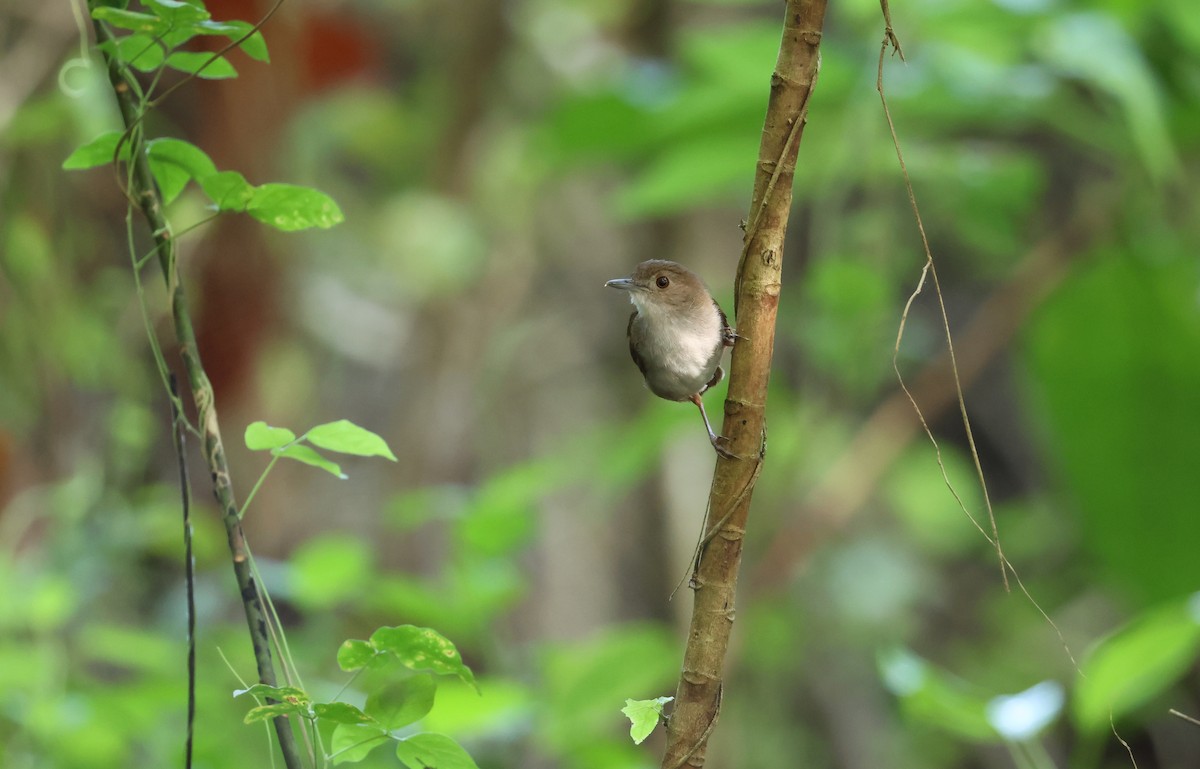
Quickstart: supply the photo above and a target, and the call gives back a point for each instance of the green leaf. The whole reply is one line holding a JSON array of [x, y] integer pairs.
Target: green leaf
[[261, 436], [403, 702], [495, 529], [171, 179], [254, 46], [433, 750], [290, 700], [172, 161], [327, 570], [501, 516], [175, 39], [584, 679], [283, 206], [137, 50], [348, 438], [932, 697], [187, 156], [265, 712], [97, 152], [1117, 401], [847, 318], [229, 190], [461, 710], [177, 12], [304, 454], [131, 20], [286, 694], [599, 126], [1123, 73], [340, 713], [688, 173], [929, 513], [114, 645], [352, 742], [1137, 663], [201, 65], [354, 654], [422, 649], [643, 716], [289, 207]]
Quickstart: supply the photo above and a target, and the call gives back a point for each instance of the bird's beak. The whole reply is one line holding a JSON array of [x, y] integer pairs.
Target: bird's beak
[[623, 283]]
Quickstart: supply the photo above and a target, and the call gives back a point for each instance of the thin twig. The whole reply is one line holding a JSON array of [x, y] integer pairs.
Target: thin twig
[[1112, 725], [1006, 567], [929, 269], [179, 428], [855, 475]]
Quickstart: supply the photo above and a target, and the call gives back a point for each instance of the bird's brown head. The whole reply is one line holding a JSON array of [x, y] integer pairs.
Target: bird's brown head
[[663, 284]]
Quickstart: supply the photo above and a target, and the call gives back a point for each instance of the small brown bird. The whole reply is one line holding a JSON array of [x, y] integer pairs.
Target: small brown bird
[[677, 334]]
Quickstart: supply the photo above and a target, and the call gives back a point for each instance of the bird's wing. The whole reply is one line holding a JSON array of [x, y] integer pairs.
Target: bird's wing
[[728, 335], [717, 376], [633, 331]]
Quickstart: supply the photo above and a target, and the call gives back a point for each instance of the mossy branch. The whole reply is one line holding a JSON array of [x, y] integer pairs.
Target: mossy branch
[[145, 195], [756, 296]]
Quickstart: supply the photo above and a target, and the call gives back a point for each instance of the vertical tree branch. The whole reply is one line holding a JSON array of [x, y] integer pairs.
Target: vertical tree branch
[[144, 193], [756, 297]]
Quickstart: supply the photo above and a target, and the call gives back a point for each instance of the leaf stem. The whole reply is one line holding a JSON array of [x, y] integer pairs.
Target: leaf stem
[[257, 484]]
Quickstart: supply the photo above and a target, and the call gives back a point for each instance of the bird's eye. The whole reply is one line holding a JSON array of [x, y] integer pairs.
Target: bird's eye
[[663, 281]]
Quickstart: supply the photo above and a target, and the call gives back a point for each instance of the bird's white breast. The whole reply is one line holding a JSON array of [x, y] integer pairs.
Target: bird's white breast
[[686, 348]]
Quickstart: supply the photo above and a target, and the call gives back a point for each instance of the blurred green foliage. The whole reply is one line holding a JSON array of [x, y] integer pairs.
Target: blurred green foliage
[[1109, 358], [464, 320]]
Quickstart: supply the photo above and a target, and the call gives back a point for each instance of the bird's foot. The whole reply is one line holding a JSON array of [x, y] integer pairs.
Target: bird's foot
[[716, 441]]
